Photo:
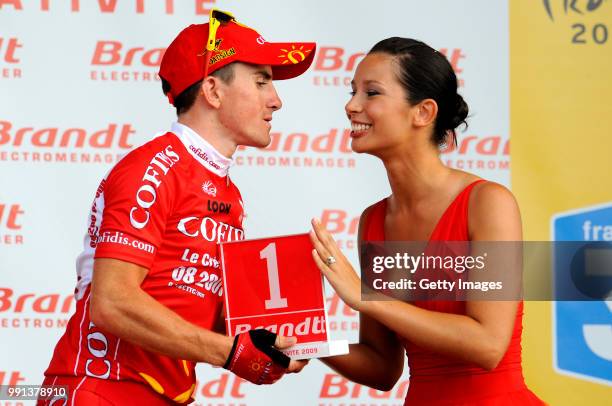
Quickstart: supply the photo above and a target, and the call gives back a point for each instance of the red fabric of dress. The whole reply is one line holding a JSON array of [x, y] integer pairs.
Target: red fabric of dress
[[435, 379]]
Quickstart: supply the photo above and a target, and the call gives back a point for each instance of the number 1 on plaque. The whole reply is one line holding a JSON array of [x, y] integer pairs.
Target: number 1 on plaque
[[275, 301]]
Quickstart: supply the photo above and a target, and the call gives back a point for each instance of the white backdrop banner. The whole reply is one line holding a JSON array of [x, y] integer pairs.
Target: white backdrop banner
[[78, 90]]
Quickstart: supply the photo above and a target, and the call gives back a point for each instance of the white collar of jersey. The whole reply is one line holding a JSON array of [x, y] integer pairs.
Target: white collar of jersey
[[201, 150]]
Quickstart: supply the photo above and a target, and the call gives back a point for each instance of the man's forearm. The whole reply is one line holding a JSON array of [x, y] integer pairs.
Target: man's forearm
[[134, 316], [120, 306]]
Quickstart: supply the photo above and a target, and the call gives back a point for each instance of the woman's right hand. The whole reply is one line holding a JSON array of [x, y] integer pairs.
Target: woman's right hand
[[335, 266]]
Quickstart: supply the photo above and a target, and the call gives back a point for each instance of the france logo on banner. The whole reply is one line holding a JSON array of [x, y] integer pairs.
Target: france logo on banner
[[583, 329]]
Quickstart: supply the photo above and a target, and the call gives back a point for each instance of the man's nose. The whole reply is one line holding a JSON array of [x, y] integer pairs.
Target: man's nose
[[275, 103]]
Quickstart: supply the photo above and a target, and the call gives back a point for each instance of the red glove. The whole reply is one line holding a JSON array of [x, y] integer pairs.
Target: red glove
[[254, 358]]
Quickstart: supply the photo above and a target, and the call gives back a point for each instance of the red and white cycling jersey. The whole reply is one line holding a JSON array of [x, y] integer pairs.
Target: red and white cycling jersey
[[165, 206]]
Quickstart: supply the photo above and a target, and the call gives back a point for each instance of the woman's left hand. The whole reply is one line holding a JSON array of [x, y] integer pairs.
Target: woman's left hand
[[334, 266]]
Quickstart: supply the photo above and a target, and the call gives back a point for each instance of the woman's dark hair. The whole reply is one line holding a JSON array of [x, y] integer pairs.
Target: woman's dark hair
[[426, 74], [185, 100]]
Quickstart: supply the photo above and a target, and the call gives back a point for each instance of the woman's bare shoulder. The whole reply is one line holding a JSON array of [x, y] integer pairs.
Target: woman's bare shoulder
[[494, 213]]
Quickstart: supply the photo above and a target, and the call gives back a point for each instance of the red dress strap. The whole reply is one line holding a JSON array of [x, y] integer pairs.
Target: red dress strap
[[453, 224], [373, 222]]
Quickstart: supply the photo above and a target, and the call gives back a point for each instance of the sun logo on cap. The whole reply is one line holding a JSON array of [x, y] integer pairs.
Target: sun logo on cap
[[295, 55]]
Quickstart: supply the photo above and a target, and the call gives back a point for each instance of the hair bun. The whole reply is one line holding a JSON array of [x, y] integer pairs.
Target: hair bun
[[460, 113]]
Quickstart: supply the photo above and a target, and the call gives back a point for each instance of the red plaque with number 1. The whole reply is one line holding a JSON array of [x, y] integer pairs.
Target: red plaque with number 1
[[273, 283]]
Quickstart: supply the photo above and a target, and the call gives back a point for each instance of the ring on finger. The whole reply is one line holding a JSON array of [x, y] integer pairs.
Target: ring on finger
[[330, 260]]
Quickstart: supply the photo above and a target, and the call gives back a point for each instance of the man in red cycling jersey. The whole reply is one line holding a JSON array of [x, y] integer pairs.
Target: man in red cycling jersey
[[149, 291]]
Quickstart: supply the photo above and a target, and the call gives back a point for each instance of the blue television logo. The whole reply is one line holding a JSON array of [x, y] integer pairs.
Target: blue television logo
[[583, 329]]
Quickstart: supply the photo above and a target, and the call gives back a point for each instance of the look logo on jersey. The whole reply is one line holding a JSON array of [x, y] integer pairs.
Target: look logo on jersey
[[214, 206]]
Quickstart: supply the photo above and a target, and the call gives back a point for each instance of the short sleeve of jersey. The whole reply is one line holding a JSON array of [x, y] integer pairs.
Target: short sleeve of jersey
[[138, 198]]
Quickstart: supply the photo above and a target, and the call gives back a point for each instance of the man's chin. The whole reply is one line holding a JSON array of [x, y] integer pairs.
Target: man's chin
[[259, 142]]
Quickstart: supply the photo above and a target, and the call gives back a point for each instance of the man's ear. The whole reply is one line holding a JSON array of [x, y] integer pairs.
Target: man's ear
[[211, 91], [426, 113]]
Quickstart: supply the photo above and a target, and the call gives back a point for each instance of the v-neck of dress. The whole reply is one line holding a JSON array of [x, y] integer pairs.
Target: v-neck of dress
[[444, 214]]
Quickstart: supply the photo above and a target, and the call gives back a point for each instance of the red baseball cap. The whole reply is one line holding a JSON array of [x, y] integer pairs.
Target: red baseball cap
[[183, 62]]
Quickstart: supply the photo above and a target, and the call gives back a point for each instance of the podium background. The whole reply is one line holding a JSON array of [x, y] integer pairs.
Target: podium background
[[520, 73]]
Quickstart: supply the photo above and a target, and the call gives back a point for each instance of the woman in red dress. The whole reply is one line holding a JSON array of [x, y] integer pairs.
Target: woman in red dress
[[404, 106]]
